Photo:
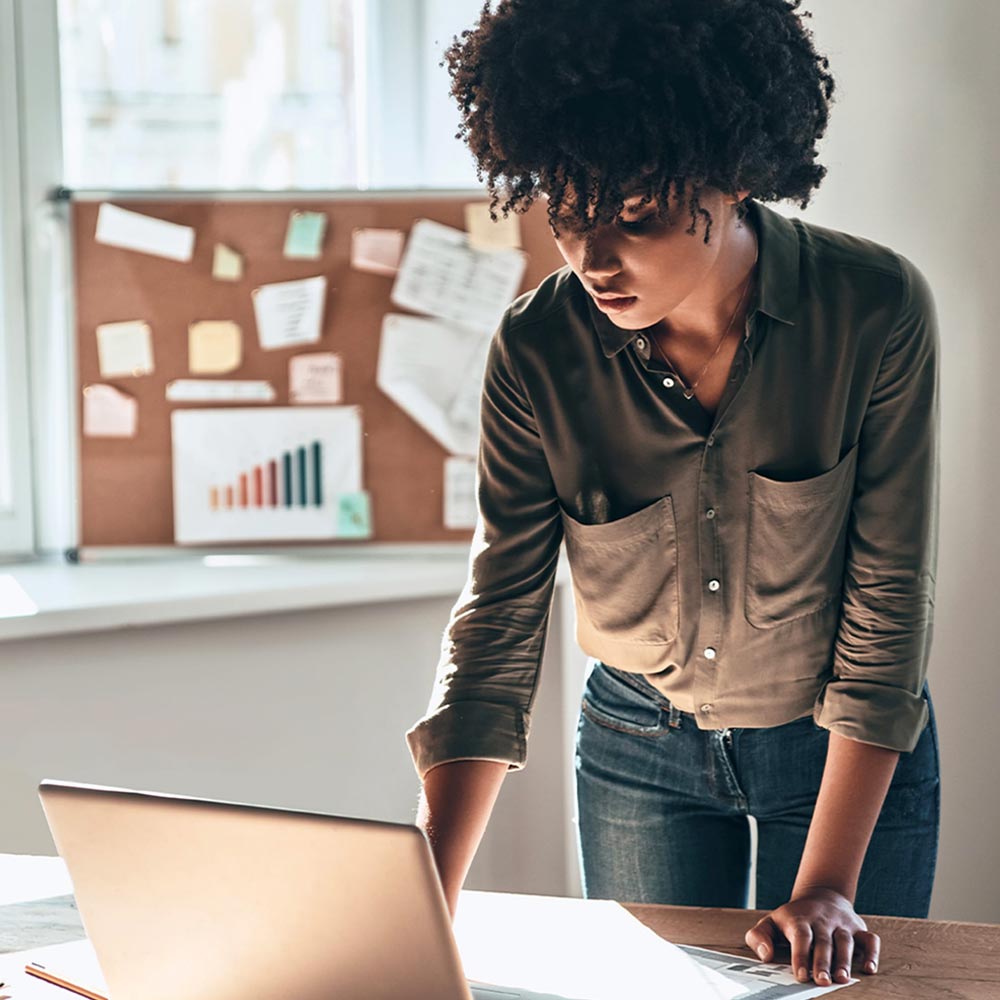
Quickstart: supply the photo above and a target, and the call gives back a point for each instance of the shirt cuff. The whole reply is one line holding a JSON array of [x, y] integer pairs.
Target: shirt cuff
[[885, 716], [469, 730]]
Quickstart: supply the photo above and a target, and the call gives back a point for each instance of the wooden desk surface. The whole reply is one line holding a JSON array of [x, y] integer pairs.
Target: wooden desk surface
[[920, 959]]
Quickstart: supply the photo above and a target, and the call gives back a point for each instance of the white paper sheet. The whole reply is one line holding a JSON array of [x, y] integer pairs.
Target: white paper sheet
[[443, 275], [289, 313], [118, 227], [74, 961], [584, 949], [219, 452], [434, 371], [460, 492], [109, 412], [204, 390], [125, 349]]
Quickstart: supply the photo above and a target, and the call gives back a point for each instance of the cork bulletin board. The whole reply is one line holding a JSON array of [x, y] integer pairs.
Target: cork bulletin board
[[125, 485]]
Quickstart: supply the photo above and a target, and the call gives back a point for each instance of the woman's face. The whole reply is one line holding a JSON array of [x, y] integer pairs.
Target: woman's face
[[643, 266]]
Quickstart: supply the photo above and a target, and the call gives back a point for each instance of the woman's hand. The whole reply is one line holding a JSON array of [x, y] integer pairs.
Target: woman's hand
[[823, 922]]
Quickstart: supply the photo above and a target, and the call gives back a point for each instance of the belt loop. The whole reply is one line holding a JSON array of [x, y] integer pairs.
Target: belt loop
[[674, 720]]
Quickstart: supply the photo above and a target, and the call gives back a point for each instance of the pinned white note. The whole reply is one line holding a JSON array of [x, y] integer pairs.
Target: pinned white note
[[109, 412], [227, 264], [441, 274], [118, 227], [315, 378], [211, 390], [289, 313], [434, 371], [377, 250], [214, 347], [125, 349], [460, 492], [485, 234]]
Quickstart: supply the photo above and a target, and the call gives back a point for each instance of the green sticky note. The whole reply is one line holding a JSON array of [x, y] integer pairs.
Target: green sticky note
[[304, 239], [354, 515]]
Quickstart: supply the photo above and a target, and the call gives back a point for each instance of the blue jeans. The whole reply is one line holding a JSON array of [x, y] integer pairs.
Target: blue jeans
[[663, 806]]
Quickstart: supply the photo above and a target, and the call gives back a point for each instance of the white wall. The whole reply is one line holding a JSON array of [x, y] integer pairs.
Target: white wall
[[912, 152], [304, 710]]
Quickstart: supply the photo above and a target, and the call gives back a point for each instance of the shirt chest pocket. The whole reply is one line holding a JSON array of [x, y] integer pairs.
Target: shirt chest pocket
[[795, 545], [625, 575]]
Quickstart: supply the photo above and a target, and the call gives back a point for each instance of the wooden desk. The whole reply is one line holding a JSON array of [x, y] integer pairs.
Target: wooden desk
[[921, 959]]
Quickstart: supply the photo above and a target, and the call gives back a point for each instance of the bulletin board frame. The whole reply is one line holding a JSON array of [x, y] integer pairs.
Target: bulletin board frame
[[124, 485]]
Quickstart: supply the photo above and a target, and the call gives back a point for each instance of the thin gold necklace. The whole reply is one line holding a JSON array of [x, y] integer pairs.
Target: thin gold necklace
[[689, 391]]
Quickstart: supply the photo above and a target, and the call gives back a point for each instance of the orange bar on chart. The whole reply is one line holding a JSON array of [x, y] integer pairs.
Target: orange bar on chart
[[229, 498], [258, 486], [243, 490], [213, 498]]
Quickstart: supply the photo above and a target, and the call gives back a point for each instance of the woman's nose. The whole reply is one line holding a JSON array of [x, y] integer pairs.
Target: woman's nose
[[599, 257]]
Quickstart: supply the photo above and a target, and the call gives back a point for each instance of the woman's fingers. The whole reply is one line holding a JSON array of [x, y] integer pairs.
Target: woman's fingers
[[869, 945], [800, 938], [843, 950], [761, 939], [822, 958]]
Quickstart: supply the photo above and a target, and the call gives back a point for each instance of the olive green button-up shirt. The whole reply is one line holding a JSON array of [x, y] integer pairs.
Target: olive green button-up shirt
[[769, 561]]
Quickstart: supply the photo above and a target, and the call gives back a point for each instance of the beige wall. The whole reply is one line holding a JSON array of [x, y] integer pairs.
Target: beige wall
[[912, 153]]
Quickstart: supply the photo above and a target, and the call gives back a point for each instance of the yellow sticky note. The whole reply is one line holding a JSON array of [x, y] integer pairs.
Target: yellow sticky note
[[214, 347], [227, 264], [485, 234], [125, 349], [377, 250], [109, 412]]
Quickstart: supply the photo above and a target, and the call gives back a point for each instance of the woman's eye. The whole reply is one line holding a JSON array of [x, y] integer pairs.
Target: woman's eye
[[636, 225]]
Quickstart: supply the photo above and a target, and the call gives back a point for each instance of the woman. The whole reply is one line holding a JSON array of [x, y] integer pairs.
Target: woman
[[731, 418]]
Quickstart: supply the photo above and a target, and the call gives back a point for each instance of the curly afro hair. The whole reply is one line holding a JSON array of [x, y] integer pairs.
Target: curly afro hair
[[610, 98]]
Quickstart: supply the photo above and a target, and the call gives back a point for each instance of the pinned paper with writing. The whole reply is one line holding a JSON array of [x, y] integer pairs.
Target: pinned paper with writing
[[460, 492], [125, 349], [289, 313], [214, 347], [434, 371], [118, 227], [227, 264], [304, 238], [315, 378], [109, 412], [211, 390], [377, 250], [485, 234], [442, 275]]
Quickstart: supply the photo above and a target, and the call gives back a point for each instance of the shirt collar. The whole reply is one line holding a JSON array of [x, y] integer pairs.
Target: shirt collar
[[777, 272]]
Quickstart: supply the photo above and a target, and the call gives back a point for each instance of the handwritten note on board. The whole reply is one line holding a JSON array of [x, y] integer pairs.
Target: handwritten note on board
[[441, 274], [289, 313], [315, 378]]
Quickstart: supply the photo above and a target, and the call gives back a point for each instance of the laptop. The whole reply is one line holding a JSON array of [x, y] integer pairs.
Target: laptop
[[208, 900]]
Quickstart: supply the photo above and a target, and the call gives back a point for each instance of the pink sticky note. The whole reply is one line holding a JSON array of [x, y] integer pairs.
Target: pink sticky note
[[109, 412], [377, 250], [315, 378]]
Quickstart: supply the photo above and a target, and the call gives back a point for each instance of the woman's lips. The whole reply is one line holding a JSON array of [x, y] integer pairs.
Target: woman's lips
[[617, 303]]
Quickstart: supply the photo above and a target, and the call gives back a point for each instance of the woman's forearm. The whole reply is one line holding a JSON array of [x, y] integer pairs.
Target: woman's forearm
[[455, 806], [856, 778]]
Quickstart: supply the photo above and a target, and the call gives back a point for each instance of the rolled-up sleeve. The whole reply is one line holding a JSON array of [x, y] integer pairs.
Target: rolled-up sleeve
[[492, 646], [884, 635]]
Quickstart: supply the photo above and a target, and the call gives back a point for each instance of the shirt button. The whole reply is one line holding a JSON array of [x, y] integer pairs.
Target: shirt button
[[713, 584], [711, 439], [706, 708], [641, 344], [710, 513], [709, 653], [668, 382]]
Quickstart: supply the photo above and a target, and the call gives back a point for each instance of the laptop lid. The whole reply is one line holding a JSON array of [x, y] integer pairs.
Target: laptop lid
[[206, 900]]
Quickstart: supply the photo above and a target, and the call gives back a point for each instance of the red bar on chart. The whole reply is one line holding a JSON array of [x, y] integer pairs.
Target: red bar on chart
[[243, 490], [272, 481], [258, 486], [229, 498]]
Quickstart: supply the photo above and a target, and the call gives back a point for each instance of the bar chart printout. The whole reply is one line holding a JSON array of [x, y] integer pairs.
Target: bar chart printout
[[276, 474]]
